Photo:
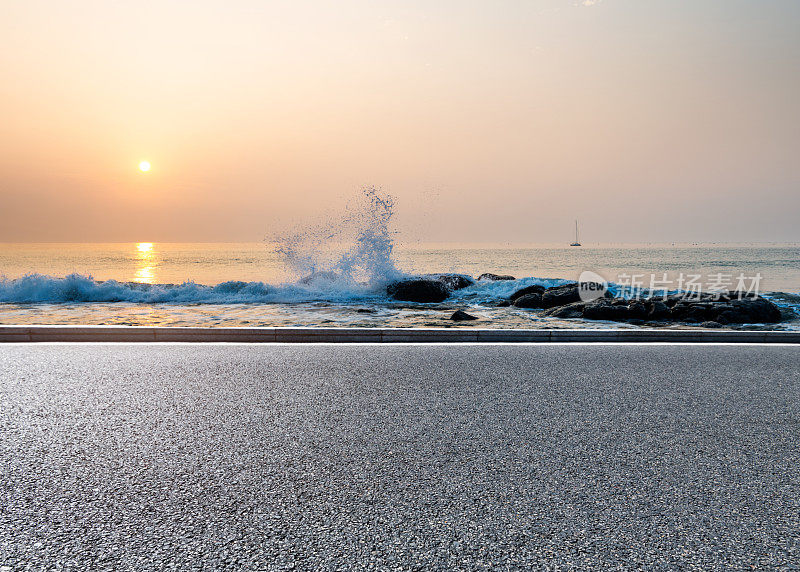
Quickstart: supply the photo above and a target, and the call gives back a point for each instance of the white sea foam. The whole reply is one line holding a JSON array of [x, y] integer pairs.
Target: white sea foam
[[38, 288]]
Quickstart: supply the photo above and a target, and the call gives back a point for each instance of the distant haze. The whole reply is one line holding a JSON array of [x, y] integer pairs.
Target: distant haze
[[670, 120]]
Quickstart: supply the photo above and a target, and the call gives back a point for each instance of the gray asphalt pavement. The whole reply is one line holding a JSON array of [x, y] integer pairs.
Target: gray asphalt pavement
[[260, 457]]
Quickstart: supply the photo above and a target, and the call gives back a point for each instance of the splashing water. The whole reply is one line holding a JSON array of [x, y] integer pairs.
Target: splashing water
[[354, 248]]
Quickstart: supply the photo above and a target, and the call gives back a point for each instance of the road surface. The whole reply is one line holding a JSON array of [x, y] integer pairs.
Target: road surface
[[190, 456]]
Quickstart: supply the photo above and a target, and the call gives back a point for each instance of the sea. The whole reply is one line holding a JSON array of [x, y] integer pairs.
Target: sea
[[334, 272], [319, 279]]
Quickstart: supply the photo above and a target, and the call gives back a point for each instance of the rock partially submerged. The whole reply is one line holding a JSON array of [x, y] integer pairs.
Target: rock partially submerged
[[533, 289], [532, 300], [564, 301], [727, 311], [614, 310], [561, 295], [495, 277], [712, 313], [462, 316], [418, 290], [453, 281], [536, 296], [574, 310], [428, 289]]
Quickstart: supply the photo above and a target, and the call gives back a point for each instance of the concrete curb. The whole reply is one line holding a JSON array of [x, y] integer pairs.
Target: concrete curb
[[378, 335]]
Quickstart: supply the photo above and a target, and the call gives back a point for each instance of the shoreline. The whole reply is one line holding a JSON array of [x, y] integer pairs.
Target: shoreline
[[89, 333]]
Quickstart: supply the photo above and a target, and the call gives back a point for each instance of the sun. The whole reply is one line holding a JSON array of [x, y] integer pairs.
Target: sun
[[144, 166]]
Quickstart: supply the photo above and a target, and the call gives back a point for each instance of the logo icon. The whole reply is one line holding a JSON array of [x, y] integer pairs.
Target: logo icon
[[591, 286]]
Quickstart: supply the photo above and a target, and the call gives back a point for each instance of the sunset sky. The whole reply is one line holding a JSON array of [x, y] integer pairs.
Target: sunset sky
[[489, 121]]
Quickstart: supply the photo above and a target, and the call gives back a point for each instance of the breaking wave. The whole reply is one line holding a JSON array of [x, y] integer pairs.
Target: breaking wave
[[319, 287], [37, 288]]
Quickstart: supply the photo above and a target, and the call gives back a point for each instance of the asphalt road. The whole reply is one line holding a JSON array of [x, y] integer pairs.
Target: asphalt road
[[134, 457]]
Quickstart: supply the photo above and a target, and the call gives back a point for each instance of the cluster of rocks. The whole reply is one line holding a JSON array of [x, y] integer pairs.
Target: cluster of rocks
[[564, 301], [729, 308]]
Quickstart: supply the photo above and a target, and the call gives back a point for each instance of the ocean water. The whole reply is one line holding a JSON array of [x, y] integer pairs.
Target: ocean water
[[322, 278]]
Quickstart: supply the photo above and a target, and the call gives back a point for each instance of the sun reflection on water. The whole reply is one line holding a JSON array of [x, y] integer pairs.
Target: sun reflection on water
[[146, 263]]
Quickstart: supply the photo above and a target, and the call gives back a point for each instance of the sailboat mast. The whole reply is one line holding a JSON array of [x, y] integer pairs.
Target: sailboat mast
[[576, 243]]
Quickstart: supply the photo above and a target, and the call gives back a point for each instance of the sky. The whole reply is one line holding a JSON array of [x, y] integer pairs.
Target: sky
[[491, 121]]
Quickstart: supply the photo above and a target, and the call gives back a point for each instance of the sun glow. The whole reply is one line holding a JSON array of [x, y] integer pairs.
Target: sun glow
[[144, 166], [146, 263]]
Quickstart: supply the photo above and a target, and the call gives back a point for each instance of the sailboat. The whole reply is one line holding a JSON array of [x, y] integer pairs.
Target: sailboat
[[576, 243]]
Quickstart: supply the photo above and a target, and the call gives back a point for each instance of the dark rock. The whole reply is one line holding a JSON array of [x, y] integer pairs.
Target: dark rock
[[606, 309], [686, 311], [744, 311], [657, 310], [574, 310], [495, 277], [418, 290], [713, 297], [503, 303], [528, 301], [429, 288], [788, 313], [561, 295], [704, 297], [617, 310], [453, 281], [700, 312], [678, 308], [748, 311], [533, 289], [637, 310], [740, 295], [673, 299], [710, 325], [461, 316], [365, 311]]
